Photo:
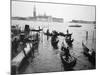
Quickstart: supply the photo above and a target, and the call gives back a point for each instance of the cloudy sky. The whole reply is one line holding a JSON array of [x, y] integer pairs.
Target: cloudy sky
[[68, 12]]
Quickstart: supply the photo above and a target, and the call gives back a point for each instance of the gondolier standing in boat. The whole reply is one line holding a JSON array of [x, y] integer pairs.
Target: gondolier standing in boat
[[67, 31], [47, 34], [66, 51], [65, 48], [68, 60], [54, 40], [68, 38]]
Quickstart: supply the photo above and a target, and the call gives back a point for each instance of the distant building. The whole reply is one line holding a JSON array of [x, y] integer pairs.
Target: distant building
[[57, 19], [45, 17], [36, 17]]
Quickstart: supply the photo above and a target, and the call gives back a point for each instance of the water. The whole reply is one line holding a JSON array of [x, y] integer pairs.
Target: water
[[47, 59]]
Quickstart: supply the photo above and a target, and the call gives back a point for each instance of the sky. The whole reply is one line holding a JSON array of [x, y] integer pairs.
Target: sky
[[66, 11]]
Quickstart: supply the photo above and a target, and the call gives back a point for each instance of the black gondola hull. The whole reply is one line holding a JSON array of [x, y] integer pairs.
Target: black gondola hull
[[68, 65], [91, 58]]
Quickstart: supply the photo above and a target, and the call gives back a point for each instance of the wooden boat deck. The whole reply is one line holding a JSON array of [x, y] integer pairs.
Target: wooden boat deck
[[16, 61]]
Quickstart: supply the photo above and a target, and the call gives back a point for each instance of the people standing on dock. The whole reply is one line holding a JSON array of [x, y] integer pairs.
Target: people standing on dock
[[14, 47], [23, 43], [27, 30]]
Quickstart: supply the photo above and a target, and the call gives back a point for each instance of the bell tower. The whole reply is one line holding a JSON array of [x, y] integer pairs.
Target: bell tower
[[34, 11]]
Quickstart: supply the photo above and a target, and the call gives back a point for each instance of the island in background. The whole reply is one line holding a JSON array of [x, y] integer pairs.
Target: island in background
[[83, 21]]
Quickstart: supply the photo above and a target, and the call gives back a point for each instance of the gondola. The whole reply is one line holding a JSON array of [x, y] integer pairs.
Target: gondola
[[69, 41], [68, 60], [90, 54], [85, 50], [68, 38], [54, 42], [62, 34], [68, 63], [48, 34]]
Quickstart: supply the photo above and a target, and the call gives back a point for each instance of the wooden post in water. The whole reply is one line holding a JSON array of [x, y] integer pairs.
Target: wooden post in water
[[86, 35], [93, 45]]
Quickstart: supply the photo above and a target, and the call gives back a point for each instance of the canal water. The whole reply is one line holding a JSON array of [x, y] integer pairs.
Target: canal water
[[48, 59]]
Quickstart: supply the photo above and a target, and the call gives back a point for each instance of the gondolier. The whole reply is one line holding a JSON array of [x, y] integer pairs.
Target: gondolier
[[54, 41]]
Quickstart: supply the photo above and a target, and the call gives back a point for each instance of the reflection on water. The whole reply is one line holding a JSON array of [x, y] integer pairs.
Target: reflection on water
[[48, 59]]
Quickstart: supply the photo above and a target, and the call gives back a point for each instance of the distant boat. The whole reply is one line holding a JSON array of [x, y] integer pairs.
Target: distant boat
[[75, 26]]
